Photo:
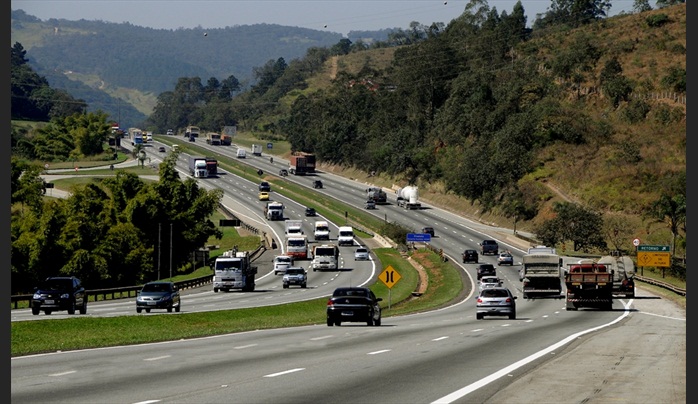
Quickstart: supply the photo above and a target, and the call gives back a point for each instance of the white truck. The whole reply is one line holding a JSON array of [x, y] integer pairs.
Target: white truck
[[294, 228], [241, 153], [234, 270], [408, 197], [541, 273], [198, 167], [322, 230], [325, 257], [257, 149], [297, 247], [274, 211]]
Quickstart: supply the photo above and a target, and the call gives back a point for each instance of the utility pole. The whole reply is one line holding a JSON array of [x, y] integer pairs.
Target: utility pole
[[159, 244], [170, 250]]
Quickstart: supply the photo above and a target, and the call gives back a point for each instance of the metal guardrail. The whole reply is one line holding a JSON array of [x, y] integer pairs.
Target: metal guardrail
[[662, 284]]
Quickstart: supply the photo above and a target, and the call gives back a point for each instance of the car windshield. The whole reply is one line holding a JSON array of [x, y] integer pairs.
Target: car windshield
[[494, 293], [156, 287], [56, 284], [294, 271]]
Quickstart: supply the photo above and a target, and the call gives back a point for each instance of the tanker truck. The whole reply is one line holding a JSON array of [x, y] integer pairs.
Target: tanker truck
[[623, 271], [408, 197]]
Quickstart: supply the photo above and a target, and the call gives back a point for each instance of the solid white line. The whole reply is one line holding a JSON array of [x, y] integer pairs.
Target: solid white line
[[285, 372]]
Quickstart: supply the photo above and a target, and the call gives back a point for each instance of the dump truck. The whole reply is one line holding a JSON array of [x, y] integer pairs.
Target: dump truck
[[589, 284], [408, 197], [197, 167], [541, 273], [274, 211], [192, 131], [623, 271], [212, 166], [234, 270], [301, 164], [213, 138], [226, 140]]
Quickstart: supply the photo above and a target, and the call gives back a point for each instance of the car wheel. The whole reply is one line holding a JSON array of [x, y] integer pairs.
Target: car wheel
[[337, 323], [169, 309], [512, 316], [71, 308], [178, 308], [285, 286], [330, 323], [138, 309], [215, 290], [369, 322], [83, 308], [47, 312], [303, 286], [147, 310], [479, 316], [377, 323], [35, 311]]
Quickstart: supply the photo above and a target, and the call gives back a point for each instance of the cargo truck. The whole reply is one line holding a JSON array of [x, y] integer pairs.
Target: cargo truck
[[325, 257], [226, 140], [213, 138], [301, 164], [197, 167], [377, 195], [589, 285], [274, 211], [297, 247], [541, 273], [192, 131], [234, 270], [294, 227], [257, 149]]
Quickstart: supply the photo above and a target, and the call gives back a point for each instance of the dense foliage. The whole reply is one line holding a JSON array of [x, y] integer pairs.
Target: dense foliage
[[107, 235]]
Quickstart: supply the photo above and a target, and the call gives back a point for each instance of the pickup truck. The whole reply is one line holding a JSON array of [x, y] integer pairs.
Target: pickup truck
[[489, 247]]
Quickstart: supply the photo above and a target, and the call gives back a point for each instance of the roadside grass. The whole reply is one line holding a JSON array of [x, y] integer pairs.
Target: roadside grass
[[83, 332]]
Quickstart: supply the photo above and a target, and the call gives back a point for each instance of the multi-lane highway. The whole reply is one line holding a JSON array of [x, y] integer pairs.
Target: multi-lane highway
[[441, 356]]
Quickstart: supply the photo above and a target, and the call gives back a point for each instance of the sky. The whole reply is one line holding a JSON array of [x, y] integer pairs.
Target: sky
[[340, 16]]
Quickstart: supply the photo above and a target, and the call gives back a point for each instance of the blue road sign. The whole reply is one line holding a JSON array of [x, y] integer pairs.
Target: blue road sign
[[418, 237], [270, 145]]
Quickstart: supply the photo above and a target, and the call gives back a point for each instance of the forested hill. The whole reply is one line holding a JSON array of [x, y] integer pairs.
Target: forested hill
[[111, 65]]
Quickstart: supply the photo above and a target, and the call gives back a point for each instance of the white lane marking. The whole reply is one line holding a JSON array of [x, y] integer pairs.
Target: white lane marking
[[285, 372], [378, 352], [158, 358]]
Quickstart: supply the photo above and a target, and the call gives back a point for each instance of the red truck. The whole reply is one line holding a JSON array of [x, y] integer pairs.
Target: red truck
[[589, 285], [302, 164]]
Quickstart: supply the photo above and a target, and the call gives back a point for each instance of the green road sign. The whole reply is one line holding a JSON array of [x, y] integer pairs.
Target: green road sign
[[654, 248]]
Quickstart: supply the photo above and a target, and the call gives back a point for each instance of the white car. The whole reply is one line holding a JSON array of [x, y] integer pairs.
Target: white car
[[281, 262], [490, 282], [361, 254]]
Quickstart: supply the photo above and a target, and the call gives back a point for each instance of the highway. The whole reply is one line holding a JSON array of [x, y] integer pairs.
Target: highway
[[634, 353]]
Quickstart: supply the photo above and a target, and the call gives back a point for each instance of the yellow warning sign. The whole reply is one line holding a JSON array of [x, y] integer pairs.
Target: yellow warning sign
[[389, 276], [653, 259]]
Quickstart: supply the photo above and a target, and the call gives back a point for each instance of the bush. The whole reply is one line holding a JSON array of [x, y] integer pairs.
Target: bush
[[657, 20]]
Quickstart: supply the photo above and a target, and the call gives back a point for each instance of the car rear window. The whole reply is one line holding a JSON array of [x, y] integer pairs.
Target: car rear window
[[494, 293]]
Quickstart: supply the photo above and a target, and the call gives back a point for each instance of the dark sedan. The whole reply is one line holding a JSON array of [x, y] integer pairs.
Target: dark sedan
[[158, 295], [353, 304], [59, 293]]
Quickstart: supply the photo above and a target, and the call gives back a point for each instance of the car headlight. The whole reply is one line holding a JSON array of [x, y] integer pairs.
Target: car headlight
[[36, 296], [65, 295]]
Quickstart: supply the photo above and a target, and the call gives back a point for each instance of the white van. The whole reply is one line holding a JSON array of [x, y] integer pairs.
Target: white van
[[242, 153], [322, 230], [345, 235]]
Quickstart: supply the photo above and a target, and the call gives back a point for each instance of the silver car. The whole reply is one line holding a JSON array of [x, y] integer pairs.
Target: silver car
[[361, 254], [490, 282], [497, 301], [281, 262]]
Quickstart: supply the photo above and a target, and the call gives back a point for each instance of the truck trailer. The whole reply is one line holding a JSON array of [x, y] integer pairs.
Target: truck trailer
[[212, 166], [589, 285], [541, 273], [301, 164], [377, 194], [234, 270], [256, 149], [213, 138], [197, 167]]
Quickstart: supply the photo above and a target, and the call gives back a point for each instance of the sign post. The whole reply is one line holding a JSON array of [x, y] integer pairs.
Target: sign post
[[390, 277], [654, 255]]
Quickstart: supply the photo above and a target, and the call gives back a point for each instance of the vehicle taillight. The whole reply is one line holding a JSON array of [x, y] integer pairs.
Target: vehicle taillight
[[330, 302]]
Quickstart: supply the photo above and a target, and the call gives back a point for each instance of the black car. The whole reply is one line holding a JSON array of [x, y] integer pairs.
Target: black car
[[317, 184], [428, 230], [264, 187], [158, 295], [485, 270], [470, 256], [283, 172], [58, 293], [353, 304], [310, 212]]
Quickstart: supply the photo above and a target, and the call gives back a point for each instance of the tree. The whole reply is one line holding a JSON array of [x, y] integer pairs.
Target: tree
[[640, 6], [671, 210], [574, 223]]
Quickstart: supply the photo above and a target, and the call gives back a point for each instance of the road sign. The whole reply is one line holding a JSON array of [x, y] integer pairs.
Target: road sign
[[654, 248], [270, 145], [389, 276], [418, 237], [636, 242], [653, 259]]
